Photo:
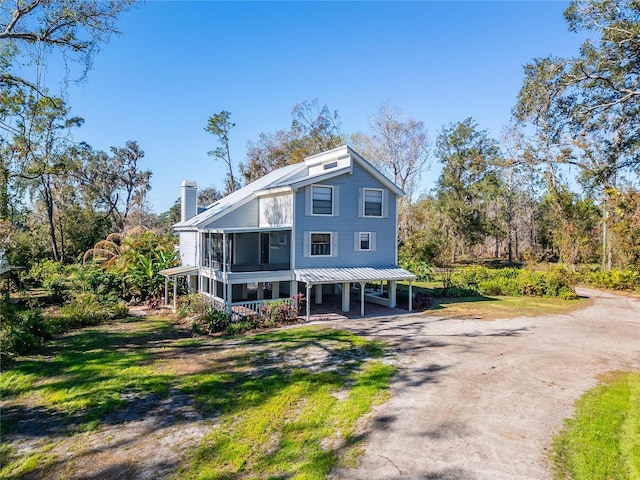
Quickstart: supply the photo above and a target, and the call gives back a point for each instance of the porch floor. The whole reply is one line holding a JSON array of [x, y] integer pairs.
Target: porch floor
[[331, 309]]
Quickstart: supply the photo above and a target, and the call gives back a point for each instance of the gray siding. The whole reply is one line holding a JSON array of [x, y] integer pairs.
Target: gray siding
[[346, 223], [188, 248], [244, 216]]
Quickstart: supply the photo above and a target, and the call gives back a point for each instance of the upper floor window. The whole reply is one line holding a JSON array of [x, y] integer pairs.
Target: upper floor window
[[372, 202], [322, 198]]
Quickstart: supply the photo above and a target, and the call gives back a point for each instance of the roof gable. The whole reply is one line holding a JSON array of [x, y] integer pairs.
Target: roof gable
[[313, 169]]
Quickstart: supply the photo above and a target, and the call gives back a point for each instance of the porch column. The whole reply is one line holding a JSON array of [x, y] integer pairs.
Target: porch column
[[362, 284], [275, 290], [308, 302], [410, 297], [175, 293], [392, 293], [224, 252], [166, 290], [260, 291], [318, 292], [229, 296], [346, 296], [293, 288]]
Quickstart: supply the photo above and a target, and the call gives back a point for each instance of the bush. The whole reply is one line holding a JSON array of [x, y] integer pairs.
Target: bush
[[616, 279], [21, 330], [422, 270], [421, 301], [554, 282], [191, 304]]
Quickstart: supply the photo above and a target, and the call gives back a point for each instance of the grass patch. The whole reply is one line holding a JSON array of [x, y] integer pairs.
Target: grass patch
[[282, 404], [84, 374], [491, 308], [290, 421], [602, 441]]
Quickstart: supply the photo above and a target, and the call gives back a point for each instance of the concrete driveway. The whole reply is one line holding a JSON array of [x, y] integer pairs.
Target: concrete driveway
[[482, 400]]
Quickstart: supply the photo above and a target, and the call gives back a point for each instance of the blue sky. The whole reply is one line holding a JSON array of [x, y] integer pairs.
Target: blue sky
[[177, 63]]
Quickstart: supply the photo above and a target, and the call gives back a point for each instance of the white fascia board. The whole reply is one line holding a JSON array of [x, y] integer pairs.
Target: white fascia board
[[273, 191], [278, 228], [337, 152], [377, 174], [303, 182]]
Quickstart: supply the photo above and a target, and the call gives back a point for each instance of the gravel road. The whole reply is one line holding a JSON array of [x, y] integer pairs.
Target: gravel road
[[482, 400]]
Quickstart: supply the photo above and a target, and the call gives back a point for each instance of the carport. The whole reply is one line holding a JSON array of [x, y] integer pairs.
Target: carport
[[347, 276]]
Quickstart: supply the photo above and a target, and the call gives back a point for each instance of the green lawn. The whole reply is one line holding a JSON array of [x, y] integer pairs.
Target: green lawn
[[492, 307], [283, 404], [602, 441]]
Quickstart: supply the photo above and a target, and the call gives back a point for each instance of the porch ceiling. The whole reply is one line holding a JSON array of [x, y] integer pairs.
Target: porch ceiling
[[312, 276]]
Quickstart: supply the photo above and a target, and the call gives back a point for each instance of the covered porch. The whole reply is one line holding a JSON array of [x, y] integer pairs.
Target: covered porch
[[343, 278]]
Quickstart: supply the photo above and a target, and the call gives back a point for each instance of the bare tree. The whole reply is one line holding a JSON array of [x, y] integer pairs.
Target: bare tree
[[399, 146]]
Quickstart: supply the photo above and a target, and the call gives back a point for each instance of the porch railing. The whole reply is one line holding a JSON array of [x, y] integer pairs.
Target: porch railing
[[240, 310]]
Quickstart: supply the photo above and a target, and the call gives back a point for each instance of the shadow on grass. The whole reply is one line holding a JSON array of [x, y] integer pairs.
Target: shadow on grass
[[113, 376]]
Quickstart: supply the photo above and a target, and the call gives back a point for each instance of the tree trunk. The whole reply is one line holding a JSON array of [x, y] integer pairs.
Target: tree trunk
[[47, 196]]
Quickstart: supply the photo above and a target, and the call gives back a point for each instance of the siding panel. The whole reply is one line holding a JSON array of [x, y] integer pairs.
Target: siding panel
[[383, 229], [188, 248]]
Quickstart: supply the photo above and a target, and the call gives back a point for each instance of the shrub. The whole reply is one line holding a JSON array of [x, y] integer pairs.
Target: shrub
[[216, 319], [421, 301], [616, 279], [422, 270], [459, 292], [191, 304], [21, 330]]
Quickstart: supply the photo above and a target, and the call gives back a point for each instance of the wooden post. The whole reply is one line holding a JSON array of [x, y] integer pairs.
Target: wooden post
[[308, 302], [362, 284]]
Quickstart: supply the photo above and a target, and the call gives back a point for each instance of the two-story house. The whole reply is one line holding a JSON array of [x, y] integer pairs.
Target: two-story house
[[323, 225]]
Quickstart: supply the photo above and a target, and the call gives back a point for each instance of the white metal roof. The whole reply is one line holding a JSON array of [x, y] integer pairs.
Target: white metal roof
[[239, 197], [179, 271], [294, 176], [313, 276]]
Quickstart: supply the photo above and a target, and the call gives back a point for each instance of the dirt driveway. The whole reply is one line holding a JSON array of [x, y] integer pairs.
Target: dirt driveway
[[482, 400]]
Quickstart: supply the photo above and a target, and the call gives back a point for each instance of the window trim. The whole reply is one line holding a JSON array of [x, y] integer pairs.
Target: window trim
[[333, 196], [360, 249], [311, 254], [364, 202]]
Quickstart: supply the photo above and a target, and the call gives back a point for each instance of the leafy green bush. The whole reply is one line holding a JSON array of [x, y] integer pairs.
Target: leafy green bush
[[21, 330], [191, 304], [553, 282], [617, 279], [216, 319], [422, 270]]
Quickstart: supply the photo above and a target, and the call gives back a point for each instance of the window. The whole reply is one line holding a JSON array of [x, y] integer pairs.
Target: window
[[321, 244], [372, 203], [322, 200], [329, 166], [365, 241]]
